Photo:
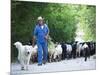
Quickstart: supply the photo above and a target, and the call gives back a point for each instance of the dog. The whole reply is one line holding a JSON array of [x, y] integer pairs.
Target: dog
[[24, 54]]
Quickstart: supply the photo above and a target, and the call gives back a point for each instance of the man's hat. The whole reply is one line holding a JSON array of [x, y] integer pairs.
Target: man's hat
[[39, 18]]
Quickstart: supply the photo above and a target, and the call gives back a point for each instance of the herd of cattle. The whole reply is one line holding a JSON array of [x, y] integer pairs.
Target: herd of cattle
[[62, 51]]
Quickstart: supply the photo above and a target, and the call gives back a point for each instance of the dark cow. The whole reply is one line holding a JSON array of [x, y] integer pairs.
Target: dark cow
[[74, 47], [86, 51], [92, 47], [63, 51]]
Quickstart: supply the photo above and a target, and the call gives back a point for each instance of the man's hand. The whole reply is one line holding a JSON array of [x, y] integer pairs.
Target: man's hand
[[46, 37]]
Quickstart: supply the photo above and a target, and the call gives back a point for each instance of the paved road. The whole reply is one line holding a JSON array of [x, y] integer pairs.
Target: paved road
[[65, 65]]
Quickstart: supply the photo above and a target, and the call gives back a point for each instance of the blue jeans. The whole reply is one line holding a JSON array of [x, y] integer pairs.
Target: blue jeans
[[42, 51]]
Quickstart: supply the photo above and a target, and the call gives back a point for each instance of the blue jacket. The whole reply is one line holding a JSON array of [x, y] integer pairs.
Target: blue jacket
[[41, 33]]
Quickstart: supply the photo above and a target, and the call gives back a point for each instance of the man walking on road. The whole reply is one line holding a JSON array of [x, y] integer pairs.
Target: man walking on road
[[40, 34]]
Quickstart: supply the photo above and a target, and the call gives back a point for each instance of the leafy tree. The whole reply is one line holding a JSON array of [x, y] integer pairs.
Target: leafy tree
[[62, 20]]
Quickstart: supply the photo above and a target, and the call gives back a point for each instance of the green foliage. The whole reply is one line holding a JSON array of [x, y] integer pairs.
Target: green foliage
[[88, 22], [61, 19]]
